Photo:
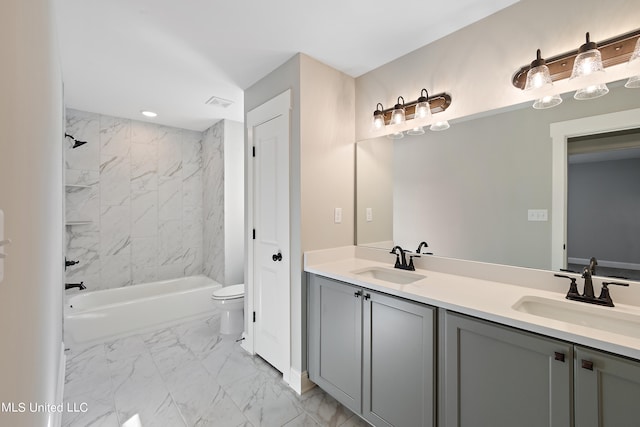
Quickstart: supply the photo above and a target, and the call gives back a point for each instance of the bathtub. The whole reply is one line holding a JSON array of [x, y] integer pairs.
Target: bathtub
[[95, 316]]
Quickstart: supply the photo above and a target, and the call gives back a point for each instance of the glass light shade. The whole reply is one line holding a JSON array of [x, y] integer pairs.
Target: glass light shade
[[396, 135], [397, 116], [547, 102], [419, 130], [538, 77], [635, 56], [591, 92], [438, 126], [378, 121], [587, 63], [633, 82], [423, 111], [634, 61]]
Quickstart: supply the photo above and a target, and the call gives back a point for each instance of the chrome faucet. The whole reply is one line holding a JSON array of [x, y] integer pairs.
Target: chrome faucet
[[401, 259]]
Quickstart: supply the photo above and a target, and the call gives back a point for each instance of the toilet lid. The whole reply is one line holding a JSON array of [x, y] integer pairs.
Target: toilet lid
[[229, 292]]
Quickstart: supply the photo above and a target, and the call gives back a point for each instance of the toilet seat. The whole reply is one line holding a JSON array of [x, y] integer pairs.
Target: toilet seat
[[229, 292]]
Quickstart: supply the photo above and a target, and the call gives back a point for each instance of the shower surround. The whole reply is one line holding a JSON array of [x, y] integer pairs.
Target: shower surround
[[137, 190]]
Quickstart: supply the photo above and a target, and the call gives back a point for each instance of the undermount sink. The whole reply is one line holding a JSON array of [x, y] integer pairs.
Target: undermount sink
[[601, 318], [399, 277]]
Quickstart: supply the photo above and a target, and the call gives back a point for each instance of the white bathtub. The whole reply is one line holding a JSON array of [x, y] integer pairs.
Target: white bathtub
[[99, 315]]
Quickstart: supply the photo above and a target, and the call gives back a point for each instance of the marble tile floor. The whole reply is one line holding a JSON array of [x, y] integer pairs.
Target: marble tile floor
[[187, 375]]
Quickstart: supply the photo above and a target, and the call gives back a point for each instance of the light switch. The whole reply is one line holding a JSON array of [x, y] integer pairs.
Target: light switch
[[337, 215], [369, 214]]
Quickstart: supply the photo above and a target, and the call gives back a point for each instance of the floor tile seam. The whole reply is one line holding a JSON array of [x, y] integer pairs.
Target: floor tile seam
[[285, 390], [175, 404], [167, 385], [130, 356]]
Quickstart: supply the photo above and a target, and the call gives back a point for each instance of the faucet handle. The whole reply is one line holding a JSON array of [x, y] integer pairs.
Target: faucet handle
[[573, 287], [411, 267], [604, 293]]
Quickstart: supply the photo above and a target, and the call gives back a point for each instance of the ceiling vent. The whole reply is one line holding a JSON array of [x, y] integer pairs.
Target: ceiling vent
[[218, 102]]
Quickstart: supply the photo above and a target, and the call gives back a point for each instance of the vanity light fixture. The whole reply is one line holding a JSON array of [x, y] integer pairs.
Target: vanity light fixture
[[423, 110], [634, 61], [420, 110], [418, 130], [589, 59], [539, 78], [398, 113], [438, 126], [587, 63], [378, 117]]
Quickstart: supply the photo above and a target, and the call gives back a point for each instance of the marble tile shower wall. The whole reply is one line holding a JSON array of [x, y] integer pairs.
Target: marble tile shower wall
[[213, 157], [143, 201]]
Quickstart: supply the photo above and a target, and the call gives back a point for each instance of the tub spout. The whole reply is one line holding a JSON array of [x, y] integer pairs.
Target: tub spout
[[80, 286]]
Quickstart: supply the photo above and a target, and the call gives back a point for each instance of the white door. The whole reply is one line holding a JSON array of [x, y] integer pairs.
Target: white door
[[271, 255]]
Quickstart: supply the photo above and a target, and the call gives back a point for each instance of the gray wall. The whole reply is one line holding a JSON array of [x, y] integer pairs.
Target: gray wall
[[603, 211], [374, 175], [475, 64], [466, 191], [322, 168]]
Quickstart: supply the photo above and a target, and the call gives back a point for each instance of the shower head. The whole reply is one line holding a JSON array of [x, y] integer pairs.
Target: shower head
[[76, 143]]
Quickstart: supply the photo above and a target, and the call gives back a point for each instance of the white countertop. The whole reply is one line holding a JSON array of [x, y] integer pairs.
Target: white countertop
[[481, 298]]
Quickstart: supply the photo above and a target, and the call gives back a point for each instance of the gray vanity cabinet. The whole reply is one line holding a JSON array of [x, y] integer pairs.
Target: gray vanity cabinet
[[501, 377], [373, 352], [607, 390], [335, 340]]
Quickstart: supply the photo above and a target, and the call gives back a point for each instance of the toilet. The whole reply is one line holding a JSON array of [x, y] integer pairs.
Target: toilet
[[230, 301]]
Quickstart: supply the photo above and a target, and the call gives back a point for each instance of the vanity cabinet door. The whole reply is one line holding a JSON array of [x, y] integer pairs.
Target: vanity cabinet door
[[502, 377], [335, 339], [398, 365], [607, 390]]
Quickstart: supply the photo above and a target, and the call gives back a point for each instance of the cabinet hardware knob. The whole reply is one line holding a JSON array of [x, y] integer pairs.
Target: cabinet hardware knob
[[367, 296], [587, 364], [559, 356], [357, 294]]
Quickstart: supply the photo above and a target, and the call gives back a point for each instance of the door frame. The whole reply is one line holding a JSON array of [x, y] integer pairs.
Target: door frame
[[279, 105], [560, 133]]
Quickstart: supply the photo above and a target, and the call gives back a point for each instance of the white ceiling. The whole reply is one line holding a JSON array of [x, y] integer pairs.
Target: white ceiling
[[170, 56]]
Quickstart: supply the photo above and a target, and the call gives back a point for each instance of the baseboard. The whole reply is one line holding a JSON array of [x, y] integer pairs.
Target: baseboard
[[605, 263], [300, 382]]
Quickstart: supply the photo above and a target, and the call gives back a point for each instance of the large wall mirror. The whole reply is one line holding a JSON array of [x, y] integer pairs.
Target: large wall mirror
[[480, 190]]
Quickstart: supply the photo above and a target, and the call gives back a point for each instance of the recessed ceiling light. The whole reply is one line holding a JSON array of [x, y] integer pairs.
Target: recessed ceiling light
[[148, 113]]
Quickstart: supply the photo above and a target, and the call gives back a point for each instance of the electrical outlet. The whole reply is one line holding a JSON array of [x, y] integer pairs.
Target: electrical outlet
[[369, 214], [337, 215], [537, 215]]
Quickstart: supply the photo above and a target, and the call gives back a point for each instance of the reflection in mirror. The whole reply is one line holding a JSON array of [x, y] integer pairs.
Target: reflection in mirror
[[469, 191], [603, 203]]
